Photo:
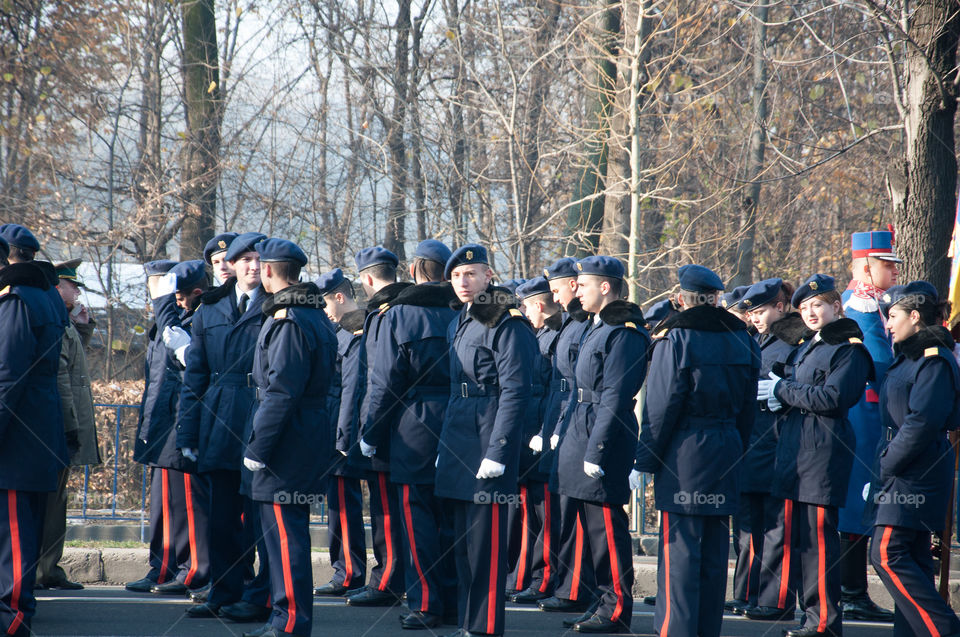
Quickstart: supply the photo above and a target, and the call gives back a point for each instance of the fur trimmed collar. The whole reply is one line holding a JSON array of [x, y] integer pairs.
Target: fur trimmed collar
[[935, 336], [386, 294], [28, 274], [353, 321], [702, 317], [554, 321], [215, 294], [433, 294], [791, 329], [576, 311], [619, 312], [299, 295], [840, 331], [490, 306]]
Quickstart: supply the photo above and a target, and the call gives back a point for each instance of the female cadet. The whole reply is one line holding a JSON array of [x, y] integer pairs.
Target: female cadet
[[815, 450], [914, 469]]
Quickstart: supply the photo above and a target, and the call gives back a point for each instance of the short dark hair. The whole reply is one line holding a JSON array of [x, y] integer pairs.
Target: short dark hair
[[345, 288], [616, 285], [287, 270], [427, 269], [21, 255], [382, 272], [693, 299]]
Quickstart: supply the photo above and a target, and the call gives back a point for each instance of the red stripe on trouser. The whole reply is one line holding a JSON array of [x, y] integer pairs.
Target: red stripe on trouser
[[17, 562], [885, 564], [344, 534], [665, 521], [749, 565], [408, 515], [388, 532], [191, 531], [287, 573], [546, 540], [165, 496], [785, 566], [577, 558], [821, 571], [524, 522], [614, 562], [494, 559]]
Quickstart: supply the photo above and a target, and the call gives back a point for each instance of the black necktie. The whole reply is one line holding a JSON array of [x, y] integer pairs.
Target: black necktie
[[242, 305]]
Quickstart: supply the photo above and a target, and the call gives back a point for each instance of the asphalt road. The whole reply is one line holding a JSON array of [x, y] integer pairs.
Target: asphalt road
[[108, 611]]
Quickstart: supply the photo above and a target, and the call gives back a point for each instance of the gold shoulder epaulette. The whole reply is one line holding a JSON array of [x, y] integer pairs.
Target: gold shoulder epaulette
[[515, 313], [5, 291], [384, 307], [358, 332], [631, 324], [931, 351], [855, 340], [280, 314]]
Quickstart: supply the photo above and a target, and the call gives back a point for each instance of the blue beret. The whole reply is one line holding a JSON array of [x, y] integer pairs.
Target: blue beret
[[815, 285], [533, 287], [4, 249], [465, 255], [761, 293], [17, 235], [161, 266], [659, 311], [330, 281], [513, 284], [274, 249], [732, 298], [433, 250], [242, 243], [914, 289], [601, 266], [219, 243], [877, 244], [189, 274], [561, 269], [697, 278], [376, 255]]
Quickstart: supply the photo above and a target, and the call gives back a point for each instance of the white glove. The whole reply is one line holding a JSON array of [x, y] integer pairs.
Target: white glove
[[536, 444], [253, 465], [190, 454], [773, 404], [167, 284], [175, 337], [368, 451], [764, 390], [490, 469], [554, 441], [866, 491], [636, 479], [181, 354], [592, 470]]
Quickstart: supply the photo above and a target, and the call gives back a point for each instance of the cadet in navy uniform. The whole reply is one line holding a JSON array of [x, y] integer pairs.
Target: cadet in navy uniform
[[575, 581], [215, 253], [535, 524], [815, 448], [596, 453], [768, 587], [378, 275], [347, 540], [915, 461], [291, 435], [23, 247], [407, 392], [215, 405], [697, 417], [491, 348], [34, 448]]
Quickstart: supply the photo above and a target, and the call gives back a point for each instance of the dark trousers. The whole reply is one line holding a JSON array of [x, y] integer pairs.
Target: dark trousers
[[853, 564], [348, 549], [903, 561], [21, 517], [431, 581], [286, 531], [53, 533], [757, 514], [779, 568], [385, 528], [611, 548], [575, 575], [816, 542], [481, 557], [190, 497], [691, 574], [234, 535], [256, 587], [163, 556], [531, 552]]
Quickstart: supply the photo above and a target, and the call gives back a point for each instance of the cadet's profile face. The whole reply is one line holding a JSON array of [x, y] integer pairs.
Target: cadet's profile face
[[187, 300], [222, 269], [817, 312], [564, 290], [766, 315], [902, 323], [247, 267], [534, 311], [591, 291], [469, 280], [883, 273], [69, 292]]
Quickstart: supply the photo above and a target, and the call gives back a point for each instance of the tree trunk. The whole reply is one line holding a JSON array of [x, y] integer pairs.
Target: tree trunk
[[201, 152], [925, 212], [394, 234]]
